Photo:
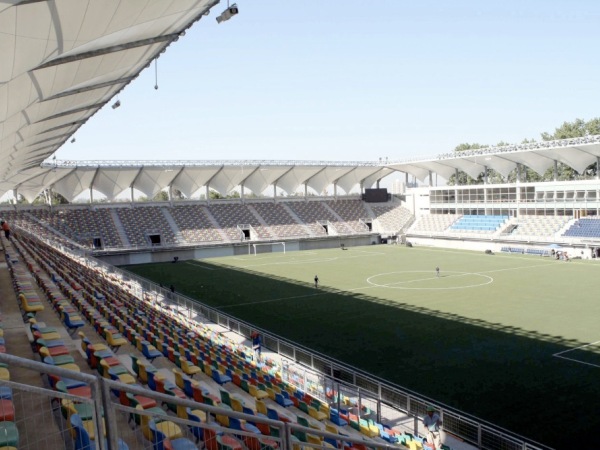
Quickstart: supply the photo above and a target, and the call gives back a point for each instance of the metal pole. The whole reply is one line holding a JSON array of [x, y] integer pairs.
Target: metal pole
[[112, 442]]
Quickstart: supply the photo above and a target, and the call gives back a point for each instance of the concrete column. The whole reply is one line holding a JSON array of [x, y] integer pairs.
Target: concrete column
[[456, 176], [555, 170]]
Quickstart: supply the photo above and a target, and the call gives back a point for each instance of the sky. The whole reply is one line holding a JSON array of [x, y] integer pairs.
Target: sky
[[356, 81]]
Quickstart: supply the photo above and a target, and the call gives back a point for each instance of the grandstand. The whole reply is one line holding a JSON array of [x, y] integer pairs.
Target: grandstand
[[141, 366]]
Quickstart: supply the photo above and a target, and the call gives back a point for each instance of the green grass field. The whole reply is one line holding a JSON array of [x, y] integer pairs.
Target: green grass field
[[511, 339]]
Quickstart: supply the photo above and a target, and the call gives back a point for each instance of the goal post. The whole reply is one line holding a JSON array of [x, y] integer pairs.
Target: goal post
[[266, 247]]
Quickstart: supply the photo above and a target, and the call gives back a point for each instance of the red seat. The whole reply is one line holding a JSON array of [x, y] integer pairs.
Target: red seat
[[7, 411]]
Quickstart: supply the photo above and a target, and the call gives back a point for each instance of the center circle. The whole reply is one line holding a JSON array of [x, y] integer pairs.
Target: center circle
[[428, 280]]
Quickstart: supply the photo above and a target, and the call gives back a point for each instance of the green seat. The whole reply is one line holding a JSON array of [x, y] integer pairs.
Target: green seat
[[9, 435]]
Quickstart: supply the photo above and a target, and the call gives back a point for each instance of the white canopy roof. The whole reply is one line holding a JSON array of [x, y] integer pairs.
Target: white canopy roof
[[577, 153], [63, 60], [71, 178]]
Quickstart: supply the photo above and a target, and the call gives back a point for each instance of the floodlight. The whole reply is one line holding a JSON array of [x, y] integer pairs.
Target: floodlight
[[116, 104], [228, 13]]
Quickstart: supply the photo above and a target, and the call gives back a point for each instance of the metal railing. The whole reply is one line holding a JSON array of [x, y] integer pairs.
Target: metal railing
[[316, 373], [43, 415]]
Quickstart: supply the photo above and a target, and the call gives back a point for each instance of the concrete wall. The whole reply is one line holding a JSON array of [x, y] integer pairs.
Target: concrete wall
[[496, 247], [157, 255]]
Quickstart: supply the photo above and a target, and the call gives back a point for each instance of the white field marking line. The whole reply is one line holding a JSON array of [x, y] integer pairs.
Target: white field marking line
[[516, 268], [367, 252], [459, 274], [465, 273], [271, 300], [311, 261], [268, 256], [577, 361], [576, 348], [306, 261], [197, 264]]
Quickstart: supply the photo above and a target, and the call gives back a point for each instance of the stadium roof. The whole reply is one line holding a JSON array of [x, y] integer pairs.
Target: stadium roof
[[71, 178], [64, 60], [578, 153]]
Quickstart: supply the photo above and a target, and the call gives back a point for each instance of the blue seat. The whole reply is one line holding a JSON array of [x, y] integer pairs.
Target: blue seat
[[82, 439], [334, 416], [6, 393], [220, 378], [150, 353], [196, 431], [281, 400], [160, 441], [72, 323]]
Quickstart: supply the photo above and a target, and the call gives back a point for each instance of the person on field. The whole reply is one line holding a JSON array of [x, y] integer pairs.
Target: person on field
[[437, 272], [316, 282], [433, 422]]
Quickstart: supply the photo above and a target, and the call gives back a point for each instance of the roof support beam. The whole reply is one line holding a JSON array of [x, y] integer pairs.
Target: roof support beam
[[107, 50], [66, 125], [74, 111], [90, 88]]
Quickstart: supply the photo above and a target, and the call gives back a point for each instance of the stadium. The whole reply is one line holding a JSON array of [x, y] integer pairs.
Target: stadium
[[286, 303]]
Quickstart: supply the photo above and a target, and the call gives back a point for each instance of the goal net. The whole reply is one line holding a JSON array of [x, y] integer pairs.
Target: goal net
[[266, 247]]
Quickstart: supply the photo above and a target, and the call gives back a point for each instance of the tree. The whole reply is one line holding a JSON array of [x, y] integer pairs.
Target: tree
[[161, 196], [48, 196], [463, 178], [214, 195], [575, 129]]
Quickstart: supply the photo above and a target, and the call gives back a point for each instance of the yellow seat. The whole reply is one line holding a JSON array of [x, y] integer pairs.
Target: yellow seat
[[170, 429], [182, 413], [90, 427], [4, 374], [270, 393], [312, 412], [415, 445], [125, 378], [331, 428], [188, 368], [113, 342], [261, 407], [314, 439], [256, 393], [237, 404]]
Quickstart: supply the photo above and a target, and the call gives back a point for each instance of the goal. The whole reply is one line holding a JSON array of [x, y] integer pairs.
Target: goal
[[266, 247]]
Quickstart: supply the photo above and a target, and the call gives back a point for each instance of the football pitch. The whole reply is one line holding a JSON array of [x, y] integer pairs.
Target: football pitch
[[511, 339]]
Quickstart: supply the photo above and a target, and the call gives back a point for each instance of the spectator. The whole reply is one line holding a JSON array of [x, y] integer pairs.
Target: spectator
[[6, 229], [432, 423], [256, 345]]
